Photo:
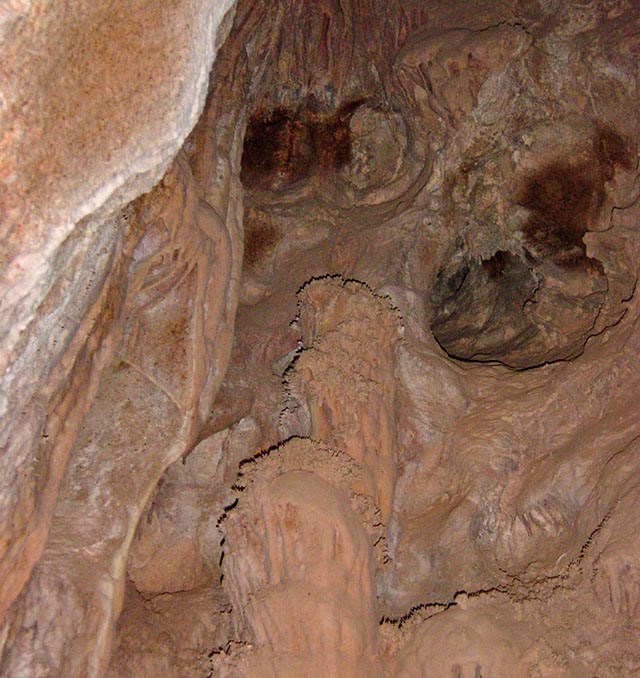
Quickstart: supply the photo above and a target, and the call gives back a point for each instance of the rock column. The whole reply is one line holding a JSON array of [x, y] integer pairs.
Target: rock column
[[303, 543]]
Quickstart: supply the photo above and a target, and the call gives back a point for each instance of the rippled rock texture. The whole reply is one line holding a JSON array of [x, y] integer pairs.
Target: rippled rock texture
[[351, 390]]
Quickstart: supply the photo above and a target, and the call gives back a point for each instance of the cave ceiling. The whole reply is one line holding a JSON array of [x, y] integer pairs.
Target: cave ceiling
[[351, 387]]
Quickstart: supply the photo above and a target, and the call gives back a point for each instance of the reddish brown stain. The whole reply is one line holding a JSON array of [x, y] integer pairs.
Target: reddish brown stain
[[613, 150], [261, 236], [564, 199], [284, 147], [277, 144]]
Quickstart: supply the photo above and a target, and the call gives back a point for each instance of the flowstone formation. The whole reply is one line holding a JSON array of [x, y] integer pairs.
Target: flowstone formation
[[351, 390], [300, 547], [92, 112]]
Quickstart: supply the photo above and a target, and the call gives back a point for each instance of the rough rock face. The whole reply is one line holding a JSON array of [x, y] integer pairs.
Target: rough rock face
[[93, 111], [539, 299], [300, 548], [353, 390]]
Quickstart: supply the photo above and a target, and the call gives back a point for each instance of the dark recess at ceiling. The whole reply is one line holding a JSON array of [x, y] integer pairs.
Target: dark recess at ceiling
[[284, 147]]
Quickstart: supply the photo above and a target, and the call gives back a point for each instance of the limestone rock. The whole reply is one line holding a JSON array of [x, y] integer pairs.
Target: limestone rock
[[352, 390], [95, 102]]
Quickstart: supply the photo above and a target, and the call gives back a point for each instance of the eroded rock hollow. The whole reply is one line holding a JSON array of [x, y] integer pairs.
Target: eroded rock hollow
[[320, 339]]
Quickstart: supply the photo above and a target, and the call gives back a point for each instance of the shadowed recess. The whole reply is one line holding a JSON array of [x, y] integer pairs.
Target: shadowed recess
[[515, 308], [284, 147]]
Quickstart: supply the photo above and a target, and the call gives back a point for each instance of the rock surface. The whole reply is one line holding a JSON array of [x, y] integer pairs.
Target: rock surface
[[94, 109], [353, 389]]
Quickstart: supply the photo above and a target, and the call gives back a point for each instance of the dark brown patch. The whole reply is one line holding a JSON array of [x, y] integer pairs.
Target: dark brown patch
[[277, 148], [495, 266], [565, 198], [260, 237], [284, 147], [613, 150]]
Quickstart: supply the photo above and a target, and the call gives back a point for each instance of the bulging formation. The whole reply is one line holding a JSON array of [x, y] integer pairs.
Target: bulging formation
[[350, 387]]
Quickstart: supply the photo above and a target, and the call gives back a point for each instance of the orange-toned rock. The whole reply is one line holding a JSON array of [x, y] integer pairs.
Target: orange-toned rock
[[456, 496], [93, 109]]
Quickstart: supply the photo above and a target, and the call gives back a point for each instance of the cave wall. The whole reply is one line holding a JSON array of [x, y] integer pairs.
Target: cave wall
[[96, 102], [491, 191], [423, 461]]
